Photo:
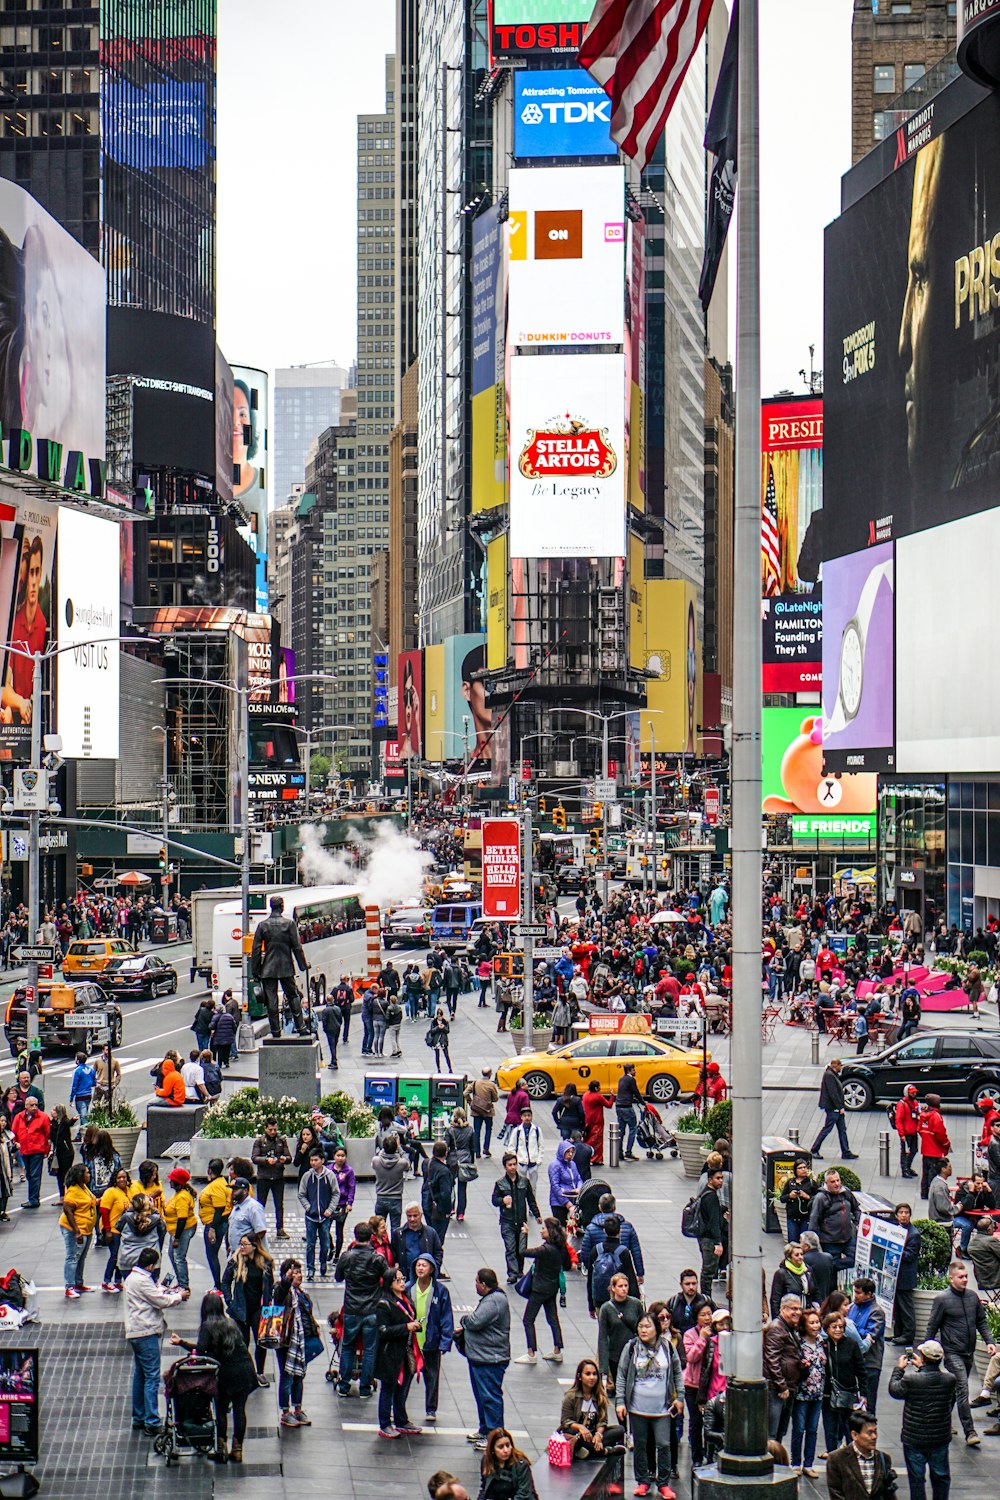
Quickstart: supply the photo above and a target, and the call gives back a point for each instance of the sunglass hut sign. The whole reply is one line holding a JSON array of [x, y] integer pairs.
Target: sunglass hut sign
[[51, 463]]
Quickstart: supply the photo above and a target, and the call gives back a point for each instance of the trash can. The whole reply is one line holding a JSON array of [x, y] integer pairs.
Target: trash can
[[163, 927], [380, 1089], [415, 1093], [778, 1156]]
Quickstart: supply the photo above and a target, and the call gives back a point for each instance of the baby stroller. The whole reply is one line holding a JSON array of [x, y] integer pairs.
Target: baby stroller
[[335, 1323], [653, 1136], [192, 1387]]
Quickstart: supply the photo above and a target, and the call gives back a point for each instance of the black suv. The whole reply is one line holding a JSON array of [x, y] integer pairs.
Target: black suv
[[962, 1067]]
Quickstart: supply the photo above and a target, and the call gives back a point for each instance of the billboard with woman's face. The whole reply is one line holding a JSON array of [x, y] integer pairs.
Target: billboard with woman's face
[[411, 705]]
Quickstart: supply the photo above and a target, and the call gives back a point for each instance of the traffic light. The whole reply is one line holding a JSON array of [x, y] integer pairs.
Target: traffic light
[[543, 806], [559, 818], [163, 861], [597, 812], [595, 841]]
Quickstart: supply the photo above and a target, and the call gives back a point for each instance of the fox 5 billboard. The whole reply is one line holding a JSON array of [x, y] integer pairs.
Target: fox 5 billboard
[[566, 240], [562, 113]]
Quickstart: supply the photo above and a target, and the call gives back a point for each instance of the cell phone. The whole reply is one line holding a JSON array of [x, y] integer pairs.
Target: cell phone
[[167, 1281], [908, 1351]]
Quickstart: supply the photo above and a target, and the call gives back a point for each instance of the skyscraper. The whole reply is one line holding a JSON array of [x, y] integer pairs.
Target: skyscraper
[[306, 402]]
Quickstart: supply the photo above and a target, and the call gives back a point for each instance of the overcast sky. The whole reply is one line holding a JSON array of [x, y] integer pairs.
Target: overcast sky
[[289, 94]]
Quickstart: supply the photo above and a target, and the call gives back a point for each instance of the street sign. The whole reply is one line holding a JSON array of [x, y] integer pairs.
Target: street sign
[[678, 1026], [87, 1020], [39, 952], [546, 951], [537, 929], [45, 971], [713, 803], [605, 789], [102, 1035]]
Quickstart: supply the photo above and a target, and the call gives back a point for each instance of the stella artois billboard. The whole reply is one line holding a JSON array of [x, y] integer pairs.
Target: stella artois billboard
[[568, 456]]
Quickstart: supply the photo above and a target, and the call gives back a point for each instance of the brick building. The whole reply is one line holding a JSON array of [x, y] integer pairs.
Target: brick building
[[893, 43]]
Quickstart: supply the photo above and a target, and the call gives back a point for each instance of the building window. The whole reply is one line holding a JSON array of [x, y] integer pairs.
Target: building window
[[900, 8], [880, 124], [912, 74], [885, 78]]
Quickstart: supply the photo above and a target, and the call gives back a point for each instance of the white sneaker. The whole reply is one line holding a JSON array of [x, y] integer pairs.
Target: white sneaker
[[555, 1358], [526, 1359]]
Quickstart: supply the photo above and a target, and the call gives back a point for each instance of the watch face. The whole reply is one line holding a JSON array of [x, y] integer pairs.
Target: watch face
[[852, 667]]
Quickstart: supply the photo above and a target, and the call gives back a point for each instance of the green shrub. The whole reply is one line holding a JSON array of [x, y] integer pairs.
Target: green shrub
[[935, 1253], [979, 957], [121, 1117], [361, 1122], [719, 1120], [243, 1114], [692, 1124], [848, 1178], [337, 1105]]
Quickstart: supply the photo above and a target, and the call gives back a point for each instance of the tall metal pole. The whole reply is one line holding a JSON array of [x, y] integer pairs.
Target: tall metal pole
[[745, 1449], [34, 870], [604, 809], [527, 917], [244, 693], [165, 878], [652, 808]]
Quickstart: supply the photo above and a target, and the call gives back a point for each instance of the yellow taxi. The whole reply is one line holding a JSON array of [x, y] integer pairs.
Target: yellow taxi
[[663, 1070], [92, 955]]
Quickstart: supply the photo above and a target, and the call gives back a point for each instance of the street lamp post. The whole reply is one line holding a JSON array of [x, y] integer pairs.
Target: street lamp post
[[652, 804]]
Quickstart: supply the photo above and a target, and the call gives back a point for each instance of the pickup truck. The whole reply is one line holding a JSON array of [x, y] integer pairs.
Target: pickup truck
[[56, 1005]]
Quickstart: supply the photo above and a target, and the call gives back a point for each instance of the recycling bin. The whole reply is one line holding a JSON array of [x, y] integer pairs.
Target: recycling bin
[[415, 1093], [778, 1156], [380, 1090]]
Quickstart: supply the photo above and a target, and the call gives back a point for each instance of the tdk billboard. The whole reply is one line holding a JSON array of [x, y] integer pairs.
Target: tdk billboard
[[560, 114]]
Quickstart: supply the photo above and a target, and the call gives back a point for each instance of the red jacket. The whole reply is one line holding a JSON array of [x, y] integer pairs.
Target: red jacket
[[989, 1116], [907, 1117], [933, 1135], [32, 1137]]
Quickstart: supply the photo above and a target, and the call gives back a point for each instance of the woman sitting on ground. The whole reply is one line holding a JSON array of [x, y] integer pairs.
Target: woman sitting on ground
[[584, 1416]]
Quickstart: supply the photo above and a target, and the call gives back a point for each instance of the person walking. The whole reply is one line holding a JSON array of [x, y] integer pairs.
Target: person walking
[[551, 1259], [362, 1271], [390, 1167], [248, 1287], [831, 1102], [81, 1091], [486, 1335], [628, 1103], [713, 1231], [202, 1023], [860, 1470], [594, 1236], [526, 1141], [343, 1175], [957, 1319], [906, 1120], [432, 1304], [648, 1393], [567, 1112], [459, 1138], [927, 1391], [782, 1365], [223, 1036], [397, 1354], [517, 1099], [437, 1195], [808, 1400], [77, 1220], [318, 1193], [32, 1130], [617, 1320], [934, 1141], [834, 1218], [61, 1151], [270, 1155], [514, 1197], [595, 1105], [144, 1304], [331, 1022], [219, 1339], [481, 1098], [367, 1021], [246, 1215], [215, 1203], [300, 1343], [904, 1318], [437, 1038], [415, 1238]]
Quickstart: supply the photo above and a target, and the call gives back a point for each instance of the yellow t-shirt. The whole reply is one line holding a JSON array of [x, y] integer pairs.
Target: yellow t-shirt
[[178, 1211], [84, 1205], [153, 1193], [115, 1202], [217, 1195]]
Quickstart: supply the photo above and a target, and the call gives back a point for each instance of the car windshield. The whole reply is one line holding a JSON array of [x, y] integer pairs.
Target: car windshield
[[120, 965]]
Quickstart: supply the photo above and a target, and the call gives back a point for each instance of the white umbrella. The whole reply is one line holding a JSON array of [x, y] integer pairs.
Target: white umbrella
[[666, 916]]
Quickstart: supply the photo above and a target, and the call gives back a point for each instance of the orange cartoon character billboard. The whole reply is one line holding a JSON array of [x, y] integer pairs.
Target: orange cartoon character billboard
[[792, 768]]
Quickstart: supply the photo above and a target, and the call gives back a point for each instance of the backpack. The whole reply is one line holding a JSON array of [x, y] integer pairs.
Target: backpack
[[606, 1263], [692, 1222], [890, 1111], [394, 1014]]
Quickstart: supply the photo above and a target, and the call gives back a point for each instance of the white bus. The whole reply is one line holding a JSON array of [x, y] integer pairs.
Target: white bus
[[320, 911], [639, 855]]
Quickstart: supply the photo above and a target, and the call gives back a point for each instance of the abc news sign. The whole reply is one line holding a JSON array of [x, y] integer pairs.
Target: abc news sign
[[558, 114]]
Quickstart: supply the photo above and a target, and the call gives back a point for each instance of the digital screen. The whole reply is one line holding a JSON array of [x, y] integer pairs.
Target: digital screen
[[161, 125], [560, 113], [88, 593]]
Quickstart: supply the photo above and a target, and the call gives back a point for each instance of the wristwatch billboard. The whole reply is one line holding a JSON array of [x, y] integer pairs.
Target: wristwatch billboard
[[853, 642]]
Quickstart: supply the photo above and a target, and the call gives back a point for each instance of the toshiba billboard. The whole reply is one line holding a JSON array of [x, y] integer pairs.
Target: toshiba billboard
[[566, 273], [536, 28], [568, 461]]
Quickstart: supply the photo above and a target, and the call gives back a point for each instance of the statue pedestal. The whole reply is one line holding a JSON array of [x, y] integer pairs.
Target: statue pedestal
[[288, 1067]]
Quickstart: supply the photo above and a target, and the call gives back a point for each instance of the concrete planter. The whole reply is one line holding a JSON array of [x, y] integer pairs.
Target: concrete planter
[[360, 1150], [781, 1209], [125, 1138], [693, 1147], [542, 1036], [923, 1301]]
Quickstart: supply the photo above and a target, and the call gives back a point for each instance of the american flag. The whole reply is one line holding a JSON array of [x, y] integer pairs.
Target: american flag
[[639, 51], [770, 551]]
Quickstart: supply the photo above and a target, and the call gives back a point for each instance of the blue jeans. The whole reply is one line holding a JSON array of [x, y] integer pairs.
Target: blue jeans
[[355, 1327], [628, 1123], [179, 1255], [964, 1224], [918, 1461], [482, 1125], [317, 1229], [805, 1424], [833, 1119], [289, 1386], [204, 1040], [76, 1255], [82, 1105], [33, 1164], [367, 1033], [391, 1209], [212, 1256], [146, 1381], [392, 1402], [412, 1000], [111, 1271], [487, 1388], [380, 1030]]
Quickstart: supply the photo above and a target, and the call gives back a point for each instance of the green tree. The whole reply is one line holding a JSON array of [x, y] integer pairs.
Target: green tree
[[319, 768]]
